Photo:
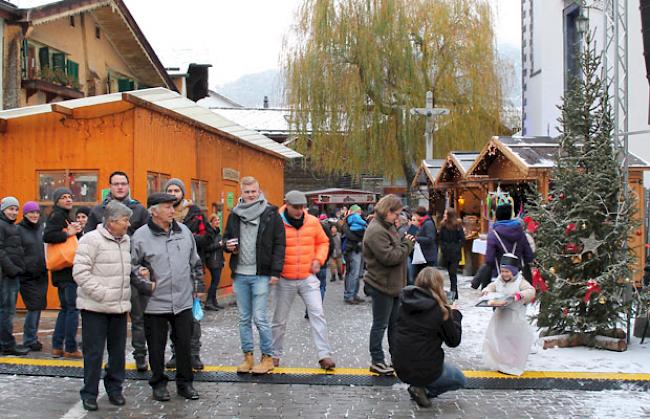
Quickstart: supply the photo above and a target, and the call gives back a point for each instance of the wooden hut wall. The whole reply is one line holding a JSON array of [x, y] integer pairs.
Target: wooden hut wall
[[117, 136]]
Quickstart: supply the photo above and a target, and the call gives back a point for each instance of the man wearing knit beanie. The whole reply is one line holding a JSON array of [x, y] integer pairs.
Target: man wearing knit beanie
[[191, 215], [12, 261]]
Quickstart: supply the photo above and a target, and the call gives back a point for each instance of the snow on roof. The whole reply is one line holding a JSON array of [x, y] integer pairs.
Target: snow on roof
[[171, 101], [268, 121], [539, 152], [339, 190], [433, 165], [464, 158], [217, 100]]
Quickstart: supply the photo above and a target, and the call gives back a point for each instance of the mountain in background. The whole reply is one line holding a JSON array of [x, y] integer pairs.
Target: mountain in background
[[250, 89]]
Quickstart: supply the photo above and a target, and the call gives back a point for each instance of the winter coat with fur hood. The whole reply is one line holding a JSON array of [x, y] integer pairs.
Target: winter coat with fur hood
[[102, 270]]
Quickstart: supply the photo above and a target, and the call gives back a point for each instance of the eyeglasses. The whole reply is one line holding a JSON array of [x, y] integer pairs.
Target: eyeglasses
[[120, 184]]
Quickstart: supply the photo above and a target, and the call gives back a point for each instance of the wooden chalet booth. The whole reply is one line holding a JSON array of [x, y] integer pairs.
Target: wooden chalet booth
[[152, 135], [514, 164]]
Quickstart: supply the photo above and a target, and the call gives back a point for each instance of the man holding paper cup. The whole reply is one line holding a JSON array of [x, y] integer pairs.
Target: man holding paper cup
[[255, 239]]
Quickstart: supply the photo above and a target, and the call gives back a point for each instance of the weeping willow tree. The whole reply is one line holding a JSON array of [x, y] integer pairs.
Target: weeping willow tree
[[355, 68]]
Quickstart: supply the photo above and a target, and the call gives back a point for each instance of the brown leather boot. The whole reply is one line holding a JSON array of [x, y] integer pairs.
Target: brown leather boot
[[265, 366], [246, 366]]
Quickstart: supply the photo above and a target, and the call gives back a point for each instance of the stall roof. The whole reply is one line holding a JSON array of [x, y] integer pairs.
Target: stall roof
[[338, 191], [167, 102], [533, 153], [460, 160], [428, 170]]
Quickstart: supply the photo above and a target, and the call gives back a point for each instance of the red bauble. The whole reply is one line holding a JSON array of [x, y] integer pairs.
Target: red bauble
[[549, 197], [569, 229], [639, 233], [565, 311], [571, 247], [562, 196]]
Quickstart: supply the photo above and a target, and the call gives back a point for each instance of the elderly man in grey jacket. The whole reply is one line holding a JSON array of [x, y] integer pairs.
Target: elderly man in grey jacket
[[165, 251]]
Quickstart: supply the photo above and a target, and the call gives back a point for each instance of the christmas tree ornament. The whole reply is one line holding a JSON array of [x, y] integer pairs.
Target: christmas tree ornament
[[570, 247], [584, 225], [549, 198], [639, 232], [592, 287], [538, 281], [570, 228], [591, 244], [552, 270], [562, 196], [565, 312], [602, 299], [576, 259]]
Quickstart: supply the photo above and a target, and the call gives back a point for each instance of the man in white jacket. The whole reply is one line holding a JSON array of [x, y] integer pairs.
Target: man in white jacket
[[102, 270]]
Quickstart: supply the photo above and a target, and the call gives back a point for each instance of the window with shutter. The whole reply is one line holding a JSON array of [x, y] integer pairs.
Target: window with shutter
[[124, 85], [58, 61], [44, 57], [73, 71]]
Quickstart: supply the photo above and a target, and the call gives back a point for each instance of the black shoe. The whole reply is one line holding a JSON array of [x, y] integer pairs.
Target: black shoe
[[196, 363], [35, 347], [141, 364], [306, 315], [161, 394], [90, 404], [211, 307], [359, 299], [420, 396], [171, 364], [117, 399], [382, 369], [17, 350], [188, 392]]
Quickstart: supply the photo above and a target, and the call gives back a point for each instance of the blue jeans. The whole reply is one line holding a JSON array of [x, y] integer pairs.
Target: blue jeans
[[252, 292], [8, 294], [452, 378], [30, 327], [65, 329], [410, 272], [384, 316], [353, 263], [215, 274]]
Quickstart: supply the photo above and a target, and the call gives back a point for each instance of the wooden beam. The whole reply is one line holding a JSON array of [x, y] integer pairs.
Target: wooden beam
[[61, 109]]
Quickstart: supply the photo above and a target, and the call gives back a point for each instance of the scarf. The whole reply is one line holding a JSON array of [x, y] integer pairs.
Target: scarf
[[248, 212]]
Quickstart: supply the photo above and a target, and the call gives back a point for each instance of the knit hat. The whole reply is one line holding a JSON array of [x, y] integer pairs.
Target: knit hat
[[58, 193], [504, 212], [83, 210], [177, 182], [7, 202], [355, 208], [31, 206], [510, 262]]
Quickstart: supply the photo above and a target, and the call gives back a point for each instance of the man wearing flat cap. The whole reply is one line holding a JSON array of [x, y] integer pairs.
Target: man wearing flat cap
[[305, 252], [163, 252]]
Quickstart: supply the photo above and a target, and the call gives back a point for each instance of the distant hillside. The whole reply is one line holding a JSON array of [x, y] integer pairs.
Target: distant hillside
[[250, 89]]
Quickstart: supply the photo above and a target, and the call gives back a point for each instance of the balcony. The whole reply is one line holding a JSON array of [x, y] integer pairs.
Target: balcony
[[51, 89]]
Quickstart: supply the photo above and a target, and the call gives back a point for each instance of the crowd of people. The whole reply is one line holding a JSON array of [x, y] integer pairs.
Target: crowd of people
[[148, 264]]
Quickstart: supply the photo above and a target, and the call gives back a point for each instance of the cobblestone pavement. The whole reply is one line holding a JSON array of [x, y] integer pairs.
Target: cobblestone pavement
[[44, 397]]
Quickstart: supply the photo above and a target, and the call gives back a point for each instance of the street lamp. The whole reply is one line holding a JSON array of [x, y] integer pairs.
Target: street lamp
[[582, 23]]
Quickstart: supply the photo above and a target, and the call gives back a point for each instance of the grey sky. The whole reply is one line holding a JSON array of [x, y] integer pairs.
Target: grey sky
[[242, 36]]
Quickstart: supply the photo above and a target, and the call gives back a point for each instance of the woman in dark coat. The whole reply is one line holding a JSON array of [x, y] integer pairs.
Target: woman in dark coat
[[214, 262], [426, 237], [33, 282], [451, 239], [424, 322], [58, 227]]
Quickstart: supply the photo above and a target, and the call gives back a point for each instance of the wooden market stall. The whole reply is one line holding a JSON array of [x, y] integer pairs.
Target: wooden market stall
[[515, 164], [152, 135]]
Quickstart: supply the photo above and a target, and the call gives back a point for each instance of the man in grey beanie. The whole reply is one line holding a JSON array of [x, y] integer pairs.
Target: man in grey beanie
[[12, 261], [187, 213]]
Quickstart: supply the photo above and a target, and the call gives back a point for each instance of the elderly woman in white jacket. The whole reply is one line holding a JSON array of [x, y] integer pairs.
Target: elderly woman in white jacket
[[102, 269]]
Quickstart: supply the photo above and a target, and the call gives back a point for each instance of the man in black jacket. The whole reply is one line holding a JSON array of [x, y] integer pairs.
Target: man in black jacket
[[120, 191], [58, 228], [255, 239], [13, 265]]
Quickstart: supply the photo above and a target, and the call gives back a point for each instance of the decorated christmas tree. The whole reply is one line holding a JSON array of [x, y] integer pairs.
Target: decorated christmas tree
[[584, 264]]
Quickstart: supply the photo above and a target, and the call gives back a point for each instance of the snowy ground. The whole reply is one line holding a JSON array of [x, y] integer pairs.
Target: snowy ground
[[475, 320]]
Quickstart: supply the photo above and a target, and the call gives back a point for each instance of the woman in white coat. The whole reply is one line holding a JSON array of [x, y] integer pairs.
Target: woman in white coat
[[102, 270]]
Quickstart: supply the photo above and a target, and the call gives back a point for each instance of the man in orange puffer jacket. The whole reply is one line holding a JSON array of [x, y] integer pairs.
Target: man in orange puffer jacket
[[306, 251]]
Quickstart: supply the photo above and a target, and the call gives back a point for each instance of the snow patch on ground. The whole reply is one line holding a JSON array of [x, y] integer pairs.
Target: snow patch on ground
[[580, 359]]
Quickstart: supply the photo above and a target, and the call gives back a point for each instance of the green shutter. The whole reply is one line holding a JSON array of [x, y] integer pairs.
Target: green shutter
[[73, 70], [124, 85], [25, 57], [44, 57], [58, 61]]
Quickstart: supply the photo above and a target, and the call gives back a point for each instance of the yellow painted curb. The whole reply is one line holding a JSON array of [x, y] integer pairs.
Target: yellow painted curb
[[562, 375]]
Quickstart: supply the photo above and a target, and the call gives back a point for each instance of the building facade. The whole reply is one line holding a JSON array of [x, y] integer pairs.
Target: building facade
[[551, 36]]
